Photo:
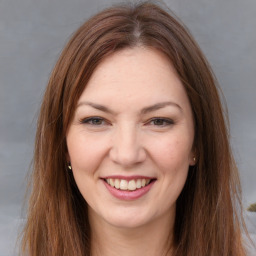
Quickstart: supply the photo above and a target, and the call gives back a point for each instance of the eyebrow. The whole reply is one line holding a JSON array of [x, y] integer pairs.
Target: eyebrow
[[159, 106], [96, 106], [143, 111]]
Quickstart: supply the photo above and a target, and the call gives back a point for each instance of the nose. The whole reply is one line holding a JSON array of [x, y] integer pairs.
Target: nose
[[127, 147]]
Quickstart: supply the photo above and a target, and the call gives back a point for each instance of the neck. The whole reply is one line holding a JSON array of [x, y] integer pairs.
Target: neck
[[154, 239]]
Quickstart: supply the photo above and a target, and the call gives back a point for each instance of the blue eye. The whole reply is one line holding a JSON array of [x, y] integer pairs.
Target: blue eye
[[97, 121], [161, 122]]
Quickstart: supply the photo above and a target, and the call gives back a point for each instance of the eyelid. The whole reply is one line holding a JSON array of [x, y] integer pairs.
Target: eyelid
[[87, 120], [167, 121], [164, 122]]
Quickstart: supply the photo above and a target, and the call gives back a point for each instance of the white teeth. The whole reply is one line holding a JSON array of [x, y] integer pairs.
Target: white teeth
[[128, 185], [111, 182], [117, 183], [132, 185], [138, 184], [123, 184]]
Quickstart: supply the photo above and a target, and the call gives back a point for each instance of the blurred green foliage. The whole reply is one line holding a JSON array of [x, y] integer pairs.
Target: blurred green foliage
[[252, 208]]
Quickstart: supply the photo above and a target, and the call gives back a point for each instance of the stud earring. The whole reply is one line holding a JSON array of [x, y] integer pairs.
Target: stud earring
[[69, 166], [194, 158]]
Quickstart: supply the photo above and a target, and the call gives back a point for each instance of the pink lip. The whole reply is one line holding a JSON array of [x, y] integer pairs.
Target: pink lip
[[128, 178], [129, 195]]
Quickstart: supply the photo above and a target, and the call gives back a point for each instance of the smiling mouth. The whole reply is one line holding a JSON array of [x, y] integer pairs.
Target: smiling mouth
[[131, 185]]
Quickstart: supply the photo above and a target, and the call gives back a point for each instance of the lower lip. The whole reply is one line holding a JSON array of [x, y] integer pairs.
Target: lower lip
[[129, 195]]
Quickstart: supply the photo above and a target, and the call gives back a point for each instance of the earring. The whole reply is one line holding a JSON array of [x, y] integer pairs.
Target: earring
[[194, 158], [69, 166]]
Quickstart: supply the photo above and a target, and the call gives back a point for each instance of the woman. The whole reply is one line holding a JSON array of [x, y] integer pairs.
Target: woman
[[132, 154]]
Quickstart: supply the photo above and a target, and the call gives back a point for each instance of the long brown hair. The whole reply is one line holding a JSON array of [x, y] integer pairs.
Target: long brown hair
[[209, 207]]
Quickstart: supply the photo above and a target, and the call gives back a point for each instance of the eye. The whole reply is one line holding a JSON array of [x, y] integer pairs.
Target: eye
[[95, 121], [161, 122]]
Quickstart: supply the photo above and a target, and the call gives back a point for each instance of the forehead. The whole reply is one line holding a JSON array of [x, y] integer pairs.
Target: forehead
[[135, 75]]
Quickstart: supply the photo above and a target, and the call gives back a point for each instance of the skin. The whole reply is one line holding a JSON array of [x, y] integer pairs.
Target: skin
[[130, 137]]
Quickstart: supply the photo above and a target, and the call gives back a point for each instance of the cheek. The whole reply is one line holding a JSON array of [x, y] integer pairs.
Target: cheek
[[85, 153], [172, 159], [172, 152]]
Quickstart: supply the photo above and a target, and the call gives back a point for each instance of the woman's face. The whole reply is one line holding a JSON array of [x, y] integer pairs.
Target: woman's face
[[130, 141]]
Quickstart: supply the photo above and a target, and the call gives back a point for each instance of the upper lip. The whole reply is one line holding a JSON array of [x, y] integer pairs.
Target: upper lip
[[128, 178]]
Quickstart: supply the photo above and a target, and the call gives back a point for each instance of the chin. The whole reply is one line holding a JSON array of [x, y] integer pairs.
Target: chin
[[127, 223], [124, 218]]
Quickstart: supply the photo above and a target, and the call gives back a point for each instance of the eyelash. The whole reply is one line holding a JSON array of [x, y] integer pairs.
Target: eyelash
[[91, 121], [163, 121], [95, 121]]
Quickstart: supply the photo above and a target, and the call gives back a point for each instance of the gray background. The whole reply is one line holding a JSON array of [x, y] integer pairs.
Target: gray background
[[32, 34]]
